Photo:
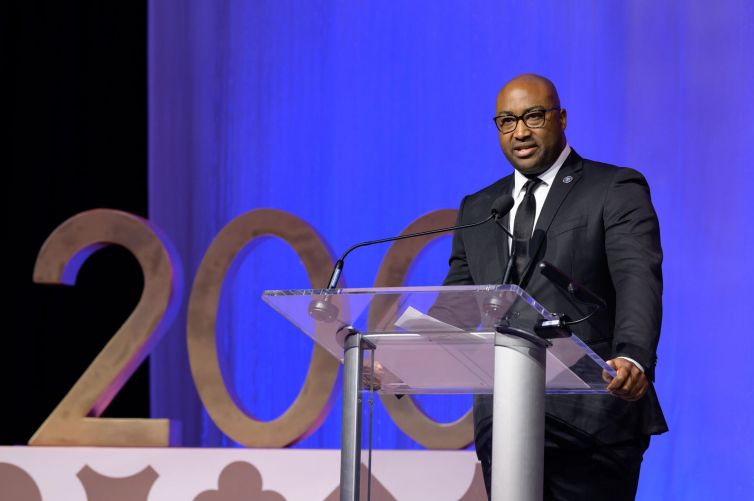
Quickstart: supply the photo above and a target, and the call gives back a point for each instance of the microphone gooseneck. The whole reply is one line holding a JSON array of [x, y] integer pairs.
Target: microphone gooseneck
[[509, 265], [500, 206]]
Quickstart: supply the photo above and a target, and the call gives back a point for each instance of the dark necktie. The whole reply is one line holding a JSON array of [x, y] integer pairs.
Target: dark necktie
[[523, 226]]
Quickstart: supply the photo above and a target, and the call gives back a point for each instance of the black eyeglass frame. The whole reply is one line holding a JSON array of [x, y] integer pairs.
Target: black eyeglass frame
[[523, 118]]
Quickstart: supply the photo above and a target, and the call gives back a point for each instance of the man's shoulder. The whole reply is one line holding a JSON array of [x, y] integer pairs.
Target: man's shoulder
[[495, 189], [481, 201], [604, 170], [604, 181]]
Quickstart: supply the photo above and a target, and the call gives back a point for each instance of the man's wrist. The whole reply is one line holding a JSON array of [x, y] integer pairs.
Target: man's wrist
[[637, 364]]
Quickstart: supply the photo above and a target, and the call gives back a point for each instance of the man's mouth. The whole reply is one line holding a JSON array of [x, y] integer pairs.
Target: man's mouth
[[525, 150]]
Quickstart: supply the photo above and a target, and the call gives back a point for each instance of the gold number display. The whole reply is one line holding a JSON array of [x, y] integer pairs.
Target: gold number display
[[75, 420], [313, 402]]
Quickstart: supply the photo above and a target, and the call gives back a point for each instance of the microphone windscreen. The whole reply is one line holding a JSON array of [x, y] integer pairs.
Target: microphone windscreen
[[502, 205]]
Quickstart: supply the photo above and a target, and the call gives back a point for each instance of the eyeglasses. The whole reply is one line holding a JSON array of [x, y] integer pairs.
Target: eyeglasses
[[534, 119]]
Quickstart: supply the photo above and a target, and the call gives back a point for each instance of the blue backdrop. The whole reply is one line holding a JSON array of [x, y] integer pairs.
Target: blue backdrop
[[358, 117]]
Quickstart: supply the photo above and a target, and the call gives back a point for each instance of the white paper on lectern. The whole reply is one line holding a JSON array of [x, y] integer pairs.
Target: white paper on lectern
[[414, 320]]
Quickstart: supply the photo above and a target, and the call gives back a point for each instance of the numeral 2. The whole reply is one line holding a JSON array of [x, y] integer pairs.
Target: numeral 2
[[75, 420]]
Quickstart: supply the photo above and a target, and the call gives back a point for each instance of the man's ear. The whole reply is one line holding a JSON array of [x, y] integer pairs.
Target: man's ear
[[563, 119]]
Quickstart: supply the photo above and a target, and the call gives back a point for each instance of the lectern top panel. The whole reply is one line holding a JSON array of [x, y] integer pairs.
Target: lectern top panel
[[435, 339]]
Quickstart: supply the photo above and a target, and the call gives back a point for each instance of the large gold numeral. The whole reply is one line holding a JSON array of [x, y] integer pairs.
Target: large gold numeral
[[406, 414], [314, 400], [75, 420]]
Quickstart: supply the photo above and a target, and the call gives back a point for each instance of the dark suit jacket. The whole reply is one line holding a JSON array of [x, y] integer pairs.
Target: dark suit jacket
[[598, 225]]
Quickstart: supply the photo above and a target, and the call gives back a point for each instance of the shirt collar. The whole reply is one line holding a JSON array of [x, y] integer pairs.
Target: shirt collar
[[519, 180]]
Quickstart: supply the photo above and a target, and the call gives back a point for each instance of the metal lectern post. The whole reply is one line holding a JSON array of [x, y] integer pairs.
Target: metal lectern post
[[350, 448], [518, 418]]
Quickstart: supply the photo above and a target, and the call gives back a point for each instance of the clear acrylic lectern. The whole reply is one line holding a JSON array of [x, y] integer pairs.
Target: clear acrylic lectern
[[456, 339]]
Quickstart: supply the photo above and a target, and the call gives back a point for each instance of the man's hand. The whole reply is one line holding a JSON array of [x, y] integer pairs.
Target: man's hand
[[366, 375], [629, 383]]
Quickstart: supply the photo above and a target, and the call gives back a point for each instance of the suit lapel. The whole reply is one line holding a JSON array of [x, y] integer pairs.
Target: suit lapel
[[568, 176]]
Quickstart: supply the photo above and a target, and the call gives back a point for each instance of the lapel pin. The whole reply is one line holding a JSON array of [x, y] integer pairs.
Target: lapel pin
[[567, 179]]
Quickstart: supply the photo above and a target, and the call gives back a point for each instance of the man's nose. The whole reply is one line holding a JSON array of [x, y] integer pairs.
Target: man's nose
[[521, 130]]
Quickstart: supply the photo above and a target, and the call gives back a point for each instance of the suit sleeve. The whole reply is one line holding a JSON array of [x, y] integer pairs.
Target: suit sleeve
[[634, 255], [459, 273]]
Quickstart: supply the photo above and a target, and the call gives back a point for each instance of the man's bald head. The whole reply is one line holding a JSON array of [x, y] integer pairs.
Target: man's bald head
[[532, 79], [531, 149]]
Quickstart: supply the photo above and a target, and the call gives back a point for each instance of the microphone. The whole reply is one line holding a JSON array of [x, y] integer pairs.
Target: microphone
[[566, 283], [500, 207], [559, 326]]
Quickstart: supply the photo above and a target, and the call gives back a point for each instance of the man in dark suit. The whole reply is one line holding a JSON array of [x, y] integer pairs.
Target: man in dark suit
[[595, 222]]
